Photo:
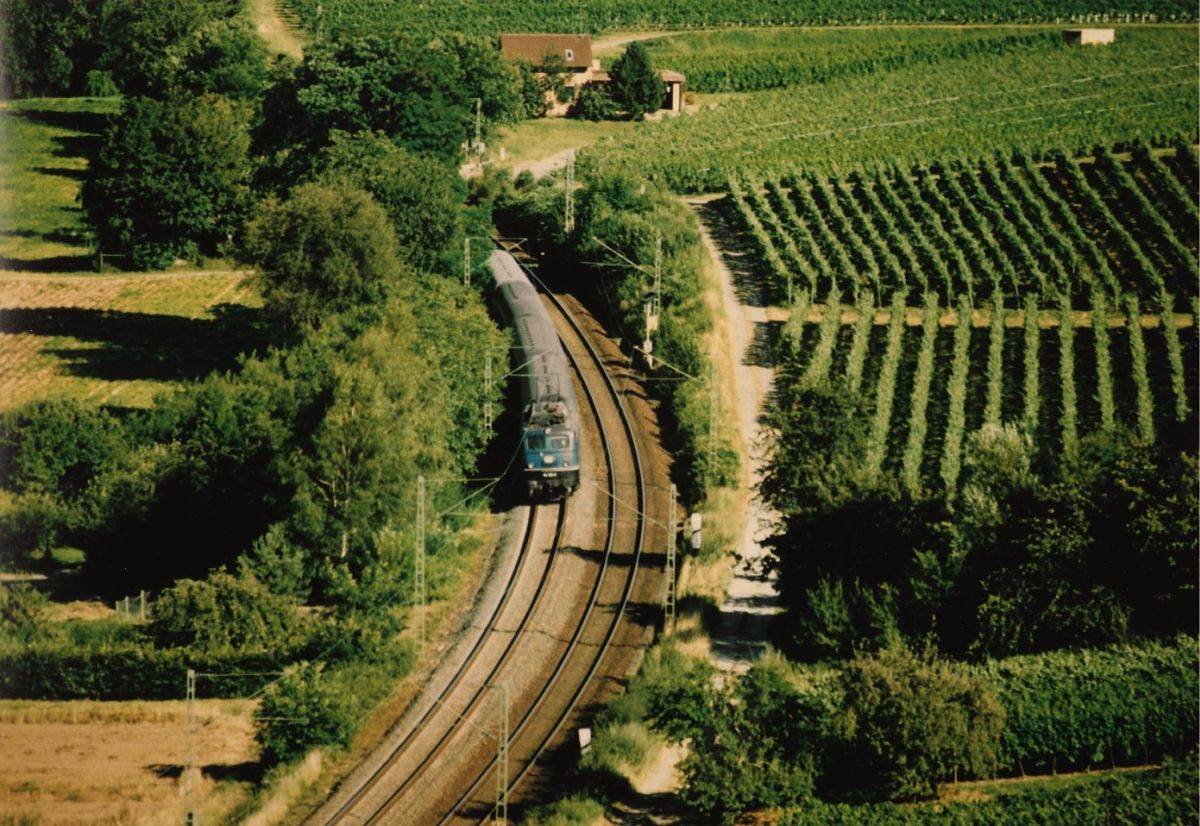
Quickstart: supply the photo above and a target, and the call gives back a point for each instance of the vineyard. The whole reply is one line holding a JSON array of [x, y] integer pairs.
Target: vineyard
[[1059, 296], [490, 17], [1039, 97], [739, 60]]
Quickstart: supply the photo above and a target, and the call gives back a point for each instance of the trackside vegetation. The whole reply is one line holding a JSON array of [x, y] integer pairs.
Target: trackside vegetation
[[609, 258], [824, 743], [268, 508]]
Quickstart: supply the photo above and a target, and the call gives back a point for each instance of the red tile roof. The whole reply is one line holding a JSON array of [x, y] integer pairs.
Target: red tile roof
[[574, 49]]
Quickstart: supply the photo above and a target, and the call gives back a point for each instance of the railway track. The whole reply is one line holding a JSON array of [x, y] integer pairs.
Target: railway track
[[542, 646]]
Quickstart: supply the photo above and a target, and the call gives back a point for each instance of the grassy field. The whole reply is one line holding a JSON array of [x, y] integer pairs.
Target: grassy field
[[533, 140], [46, 142], [118, 339]]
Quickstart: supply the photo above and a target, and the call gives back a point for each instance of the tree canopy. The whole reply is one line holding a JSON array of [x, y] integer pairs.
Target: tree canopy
[[420, 195], [324, 250], [171, 179]]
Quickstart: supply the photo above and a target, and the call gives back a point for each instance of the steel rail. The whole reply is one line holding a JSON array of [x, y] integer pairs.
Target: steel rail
[[635, 455], [472, 656]]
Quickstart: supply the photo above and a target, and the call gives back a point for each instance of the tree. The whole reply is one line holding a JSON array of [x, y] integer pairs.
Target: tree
[[302, 709], [171, 179], [635, 82], [555, 77], [137, 36], [323, 251], [913, 720], [755, 745], [46, 46], [420, 94], [420, 195], [224, 56]]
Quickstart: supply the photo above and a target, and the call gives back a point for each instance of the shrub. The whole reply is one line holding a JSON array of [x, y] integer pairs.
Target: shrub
[[57, 670], [298, 711], [224, 612], [594, 103], [1074, 709]]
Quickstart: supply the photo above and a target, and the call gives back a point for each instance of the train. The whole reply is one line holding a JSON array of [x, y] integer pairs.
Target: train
[[549, 412]]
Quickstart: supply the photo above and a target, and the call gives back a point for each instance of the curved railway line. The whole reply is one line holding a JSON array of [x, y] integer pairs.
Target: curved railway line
[[541, 647]]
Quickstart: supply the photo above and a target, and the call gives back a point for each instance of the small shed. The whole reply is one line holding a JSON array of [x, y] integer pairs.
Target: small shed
[[1089, 37], [673, 102]]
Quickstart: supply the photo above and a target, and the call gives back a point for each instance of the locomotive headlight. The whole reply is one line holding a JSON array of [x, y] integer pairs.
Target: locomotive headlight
[[547, 458]]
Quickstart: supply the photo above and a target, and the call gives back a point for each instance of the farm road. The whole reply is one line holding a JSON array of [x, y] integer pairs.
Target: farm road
[[752, 598]]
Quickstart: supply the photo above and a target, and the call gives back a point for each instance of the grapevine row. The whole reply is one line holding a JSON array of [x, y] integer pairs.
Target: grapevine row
[[885, 390], [956, 422], [918, 423]]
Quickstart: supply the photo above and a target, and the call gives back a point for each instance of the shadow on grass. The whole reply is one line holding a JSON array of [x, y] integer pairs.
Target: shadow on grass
[[62, 172], [53, 263], [143, 345], [93, 122], [247, 772]]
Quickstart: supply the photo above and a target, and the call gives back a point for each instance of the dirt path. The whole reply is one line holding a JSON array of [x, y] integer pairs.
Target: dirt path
[[544, 166], [752, 598], [612, 42], [281, 36]]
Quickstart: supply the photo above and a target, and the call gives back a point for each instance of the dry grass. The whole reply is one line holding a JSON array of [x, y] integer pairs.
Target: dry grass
[[120, 763], [131, 711]]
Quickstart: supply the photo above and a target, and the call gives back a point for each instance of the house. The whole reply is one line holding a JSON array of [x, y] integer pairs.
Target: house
[[1089, 37], [576, 53]]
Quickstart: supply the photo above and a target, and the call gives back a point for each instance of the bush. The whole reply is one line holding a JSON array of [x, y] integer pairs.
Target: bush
[[594, 103], [56, 670], [1075, 709], [325, 250], [224, 612], [298, 711], [913, 720]]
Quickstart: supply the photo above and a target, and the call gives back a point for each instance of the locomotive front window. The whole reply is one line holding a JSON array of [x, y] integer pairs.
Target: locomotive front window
[[535, 441], [560, 442]]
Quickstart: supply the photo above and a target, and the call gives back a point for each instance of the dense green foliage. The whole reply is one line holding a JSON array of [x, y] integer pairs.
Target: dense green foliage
[[325, 251], [420, 95], [912, 721], [896, 725], [420, 195], [1076, 709], [619, 221], [1037, 99], [1166, 795], [1026, 555], [224, 612], [300, 710], [170, 180], [147, 47], [635, 83], [491, 16]]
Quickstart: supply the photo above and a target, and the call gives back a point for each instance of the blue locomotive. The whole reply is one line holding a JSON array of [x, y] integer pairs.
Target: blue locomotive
[[549, 412]]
